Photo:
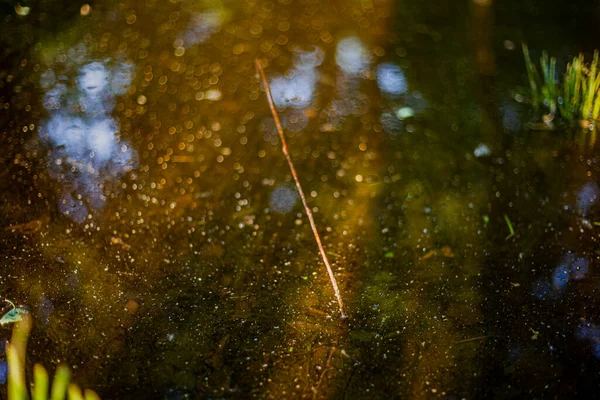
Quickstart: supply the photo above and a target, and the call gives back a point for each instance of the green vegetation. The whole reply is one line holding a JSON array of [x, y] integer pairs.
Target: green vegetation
[[510, 227], [574, 98], [17, 388]]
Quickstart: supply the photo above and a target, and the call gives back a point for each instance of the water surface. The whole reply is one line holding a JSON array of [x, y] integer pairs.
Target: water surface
[[152, 228]]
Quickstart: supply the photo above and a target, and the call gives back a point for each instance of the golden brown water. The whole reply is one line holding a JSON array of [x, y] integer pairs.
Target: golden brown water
[[152, 228]]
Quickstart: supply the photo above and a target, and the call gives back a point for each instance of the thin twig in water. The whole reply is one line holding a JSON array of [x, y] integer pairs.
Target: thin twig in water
[[299, 187], [471, 339]]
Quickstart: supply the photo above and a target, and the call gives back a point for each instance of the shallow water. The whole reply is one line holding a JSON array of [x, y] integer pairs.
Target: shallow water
[[152, 228]]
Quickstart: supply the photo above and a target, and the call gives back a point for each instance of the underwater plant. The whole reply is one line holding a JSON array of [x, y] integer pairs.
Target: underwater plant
[[574, 98], [40, 385]]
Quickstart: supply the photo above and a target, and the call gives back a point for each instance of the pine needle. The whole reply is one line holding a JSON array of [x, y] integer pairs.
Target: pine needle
[[284, 147]]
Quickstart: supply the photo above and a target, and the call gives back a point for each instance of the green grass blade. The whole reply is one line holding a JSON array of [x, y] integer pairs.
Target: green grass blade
[[552, 85], [74, 393], [40, 383], [575, 96], [596, 100], [15, 353], [596, 109], [533, 77], [60, 383], [90, 395], [510, 226], [578, 71], [547, 95], [590, 89], [17, 387], [566, 94], [16, 377]]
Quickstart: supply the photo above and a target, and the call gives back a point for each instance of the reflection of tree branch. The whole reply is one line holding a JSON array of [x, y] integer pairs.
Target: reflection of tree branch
[[348, 382], [299, 187], [482, 33], [327, 367]]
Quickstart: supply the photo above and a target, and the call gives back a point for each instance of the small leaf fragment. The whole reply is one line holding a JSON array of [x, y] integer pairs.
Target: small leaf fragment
[[14, 315]]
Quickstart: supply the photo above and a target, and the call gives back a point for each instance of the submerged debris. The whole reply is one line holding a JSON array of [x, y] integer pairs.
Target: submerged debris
[[26, 228]]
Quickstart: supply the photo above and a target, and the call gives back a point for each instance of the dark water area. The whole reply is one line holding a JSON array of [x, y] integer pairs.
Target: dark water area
[[150, 225]]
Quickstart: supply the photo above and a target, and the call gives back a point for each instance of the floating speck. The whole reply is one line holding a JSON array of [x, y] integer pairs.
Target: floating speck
[[405, 112], [482, 150], [22, 11], [213, 95]]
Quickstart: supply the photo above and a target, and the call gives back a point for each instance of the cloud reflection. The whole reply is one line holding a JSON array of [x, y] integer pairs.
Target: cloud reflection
[[542, 289], [391, 80], [351, 55], [296, 89], [590, 332], [587, 196], [570, 268], [352, 58], [294, 92], [283, 199], [87, 152], [201, 27]]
